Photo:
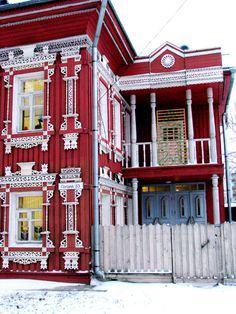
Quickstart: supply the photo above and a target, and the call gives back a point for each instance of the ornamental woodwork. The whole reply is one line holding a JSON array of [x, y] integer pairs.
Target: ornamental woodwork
[[20, 61], [70, 68], [27, 178], [71, 187]]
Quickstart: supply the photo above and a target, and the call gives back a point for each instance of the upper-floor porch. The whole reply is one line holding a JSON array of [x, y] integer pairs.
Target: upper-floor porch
[[179, 129]]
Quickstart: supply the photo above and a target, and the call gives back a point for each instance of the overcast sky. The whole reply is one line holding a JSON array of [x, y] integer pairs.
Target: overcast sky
[[195, 23]]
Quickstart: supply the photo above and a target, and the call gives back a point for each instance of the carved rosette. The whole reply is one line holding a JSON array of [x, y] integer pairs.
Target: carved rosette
[[71, 187], [70, 68]]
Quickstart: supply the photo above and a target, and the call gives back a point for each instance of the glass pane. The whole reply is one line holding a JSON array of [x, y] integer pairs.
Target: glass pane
[[164, 207], [182, 207], [30, 86], [38, 120], [25, 122], [23, 215], [25, 101], [198, 206], [145, 189], [38, 100], [182, 187], [201, 187], [163, 188], [36, 230], [194, 187], [152, 188], [23, 231], [37, 214], [30, 202], [148, 208]]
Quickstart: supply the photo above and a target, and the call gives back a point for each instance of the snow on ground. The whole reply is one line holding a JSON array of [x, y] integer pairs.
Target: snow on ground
[[32, 296]]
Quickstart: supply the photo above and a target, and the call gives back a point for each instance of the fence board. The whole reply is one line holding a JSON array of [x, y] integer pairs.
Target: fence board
[[188, 251]]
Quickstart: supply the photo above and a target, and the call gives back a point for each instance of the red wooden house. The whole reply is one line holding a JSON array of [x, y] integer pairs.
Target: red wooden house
[[159, 146]]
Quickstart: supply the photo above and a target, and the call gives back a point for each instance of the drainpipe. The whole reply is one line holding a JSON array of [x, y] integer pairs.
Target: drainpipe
[[96, 235], [226, 154]]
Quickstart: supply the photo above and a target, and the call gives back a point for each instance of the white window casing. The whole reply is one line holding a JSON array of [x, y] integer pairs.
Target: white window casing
[[28, 216], [28, 102], [103, 112], [117, 124], [106, 209]]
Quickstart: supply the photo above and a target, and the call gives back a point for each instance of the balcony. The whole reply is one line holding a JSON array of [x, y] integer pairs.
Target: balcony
[[169, 153]]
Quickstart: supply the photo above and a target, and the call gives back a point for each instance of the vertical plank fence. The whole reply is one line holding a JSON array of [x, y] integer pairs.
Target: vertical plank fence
[[185, 252]]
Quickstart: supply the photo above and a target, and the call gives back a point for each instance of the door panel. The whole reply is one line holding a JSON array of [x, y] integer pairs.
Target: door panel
[[148, 208], [182, 212], [164, 208], [198, 206]]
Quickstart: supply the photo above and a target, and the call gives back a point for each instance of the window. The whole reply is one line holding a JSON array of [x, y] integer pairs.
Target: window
[[26, 219], [28, 102], [103, 112], [117, 124]]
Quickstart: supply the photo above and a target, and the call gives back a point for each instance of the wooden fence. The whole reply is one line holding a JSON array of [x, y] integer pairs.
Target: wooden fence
[[175, 253]]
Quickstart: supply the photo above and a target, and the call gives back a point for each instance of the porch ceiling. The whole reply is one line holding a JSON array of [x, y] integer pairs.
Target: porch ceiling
[[188, 173]]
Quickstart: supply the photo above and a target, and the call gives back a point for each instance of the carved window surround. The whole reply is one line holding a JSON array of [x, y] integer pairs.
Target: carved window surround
[[25, 180], [22, 61], [71, 187], [70, 68]]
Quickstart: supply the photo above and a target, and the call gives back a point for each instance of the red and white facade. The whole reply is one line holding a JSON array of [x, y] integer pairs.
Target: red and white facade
[[159, 136]]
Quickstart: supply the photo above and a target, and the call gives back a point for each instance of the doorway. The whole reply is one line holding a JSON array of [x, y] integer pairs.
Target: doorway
[[179, 203]]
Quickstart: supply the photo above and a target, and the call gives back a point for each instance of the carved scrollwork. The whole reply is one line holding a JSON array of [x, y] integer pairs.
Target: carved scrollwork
[[25, 258], [71, 260]]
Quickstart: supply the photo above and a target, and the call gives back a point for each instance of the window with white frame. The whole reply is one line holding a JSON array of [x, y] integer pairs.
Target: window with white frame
[[26, 223], [106, 209], [117, 124], [28, 102], [103, 112]]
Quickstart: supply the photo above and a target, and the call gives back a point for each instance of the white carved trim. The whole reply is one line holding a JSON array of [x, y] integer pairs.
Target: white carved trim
[[36, 179], [20, 63], [70, 141], [171, 79], [25, 258], [177, 51], [26, 142], [71, 260]]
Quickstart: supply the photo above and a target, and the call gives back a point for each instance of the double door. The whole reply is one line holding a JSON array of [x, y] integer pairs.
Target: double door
[[174, 204]]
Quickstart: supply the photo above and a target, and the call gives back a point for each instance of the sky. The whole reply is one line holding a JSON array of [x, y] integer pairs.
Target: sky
[[195, 23]]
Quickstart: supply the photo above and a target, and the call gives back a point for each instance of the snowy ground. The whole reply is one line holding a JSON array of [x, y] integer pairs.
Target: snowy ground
[[31, 296]]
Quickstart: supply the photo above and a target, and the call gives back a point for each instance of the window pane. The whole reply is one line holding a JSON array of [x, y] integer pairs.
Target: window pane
[[32, 86], [30, 202], [25, 101], [145, 189], [23, 215], [38, 100], [38, 120], [25, 120], [37, 226], [23, 231]]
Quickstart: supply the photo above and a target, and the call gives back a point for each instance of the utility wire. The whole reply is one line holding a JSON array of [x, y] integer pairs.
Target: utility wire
[[164, 26]]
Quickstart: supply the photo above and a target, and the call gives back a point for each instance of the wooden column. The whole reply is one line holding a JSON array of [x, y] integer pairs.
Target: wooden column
[[215, 199], [135, 200], [134, 155], [213, 152], [154, 129], [191, 144]]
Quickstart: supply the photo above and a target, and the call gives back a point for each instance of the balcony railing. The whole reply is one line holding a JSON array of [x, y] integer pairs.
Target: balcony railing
[[168, 154]]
